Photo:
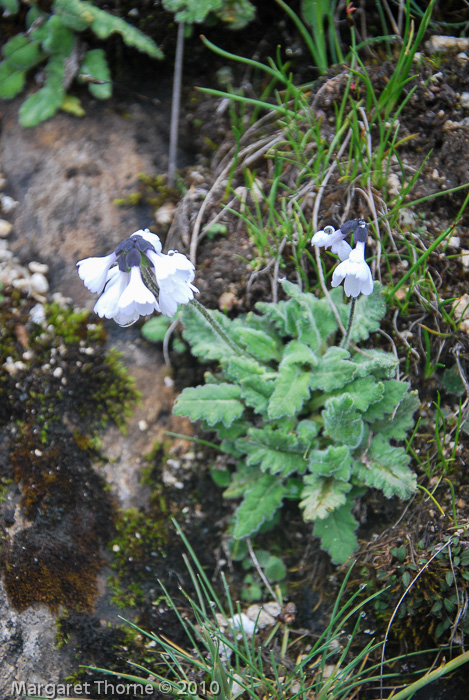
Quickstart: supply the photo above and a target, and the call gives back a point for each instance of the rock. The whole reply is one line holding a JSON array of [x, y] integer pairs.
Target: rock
[[39, 283], [443, 44], [5, 228], [165, 214], [7, 203]]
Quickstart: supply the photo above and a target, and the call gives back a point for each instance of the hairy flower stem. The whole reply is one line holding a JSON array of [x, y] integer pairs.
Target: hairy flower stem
[[346, 337], [220, 331]]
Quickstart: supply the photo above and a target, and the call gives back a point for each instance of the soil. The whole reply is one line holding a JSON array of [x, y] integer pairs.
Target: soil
[[65, 176]]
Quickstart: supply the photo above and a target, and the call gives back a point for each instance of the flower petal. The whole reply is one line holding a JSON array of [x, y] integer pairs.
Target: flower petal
[[94, 271]]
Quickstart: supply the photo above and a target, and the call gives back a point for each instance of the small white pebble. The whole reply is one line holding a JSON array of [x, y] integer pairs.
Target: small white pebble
[[165, 214], [28, 355], [5, 228], [58, 372], [465, 100], [39, 283], [116, 548], [142, 425], [35, 266], [7, 203], [454, 242], [38, 453], [168, 382]]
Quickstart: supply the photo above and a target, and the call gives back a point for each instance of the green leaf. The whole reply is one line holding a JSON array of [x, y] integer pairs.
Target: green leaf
[[398, 425], [79, 15], [335, 460], [307, 318], [381, 365], [364, 391], [59, 38], [22, 53], [156, 328], [214, 403], [369, 311], [12, 81], [259, 506], [275, 570], [95, 66], [257, 342], [291, 391], [12, 6], [298, 353], [191, 11], [72, 105], [394, 392], [236, 13], [307, 430], [275, 451], [256, 392], [342, 422], [239, 367], [242, 480], [321, 496], [334, 371], [205, 342], [45, 103], [337, 534], [385, 467]]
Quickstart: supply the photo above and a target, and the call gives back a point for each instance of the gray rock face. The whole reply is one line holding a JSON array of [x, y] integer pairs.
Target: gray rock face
[[66, 173], [27, 648]]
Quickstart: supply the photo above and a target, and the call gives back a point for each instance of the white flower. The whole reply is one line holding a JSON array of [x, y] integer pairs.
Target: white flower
[[166, 282], [174, 274], [94, 271], [329, 238], [356, 272]]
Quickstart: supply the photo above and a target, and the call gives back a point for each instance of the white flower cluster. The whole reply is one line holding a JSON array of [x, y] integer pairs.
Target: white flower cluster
[[353, 269], [118, 278]]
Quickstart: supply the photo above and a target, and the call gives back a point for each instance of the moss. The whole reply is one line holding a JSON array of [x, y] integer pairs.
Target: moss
[[152, 190], [63, 387]]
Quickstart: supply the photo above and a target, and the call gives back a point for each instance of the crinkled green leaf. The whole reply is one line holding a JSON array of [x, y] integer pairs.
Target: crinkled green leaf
[[369, 311], [59, 38], [394, 392], [274, 451], [306, 318], [259, 506], [276, 314], [12, 81], [238, 367], [398, 425], [337, 534], [334, 370], [202, 338], [342, 422], [95, 66], [256, 392], [381, 365], [45, 103], [385, 467], [78, 15], [191, 11], [259, 343], [242, 480], [364, 391], [296, 352], [214, 403], [291, 391], [22, 53], [307, 430], [236, 13], [335, 460], [321, 496]]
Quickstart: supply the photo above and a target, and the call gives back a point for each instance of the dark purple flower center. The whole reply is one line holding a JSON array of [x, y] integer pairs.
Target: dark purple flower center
[[129, 252]]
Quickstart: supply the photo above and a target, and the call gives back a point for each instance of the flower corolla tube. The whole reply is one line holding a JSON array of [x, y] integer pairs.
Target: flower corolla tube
[[137, 279], [353, 269]]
